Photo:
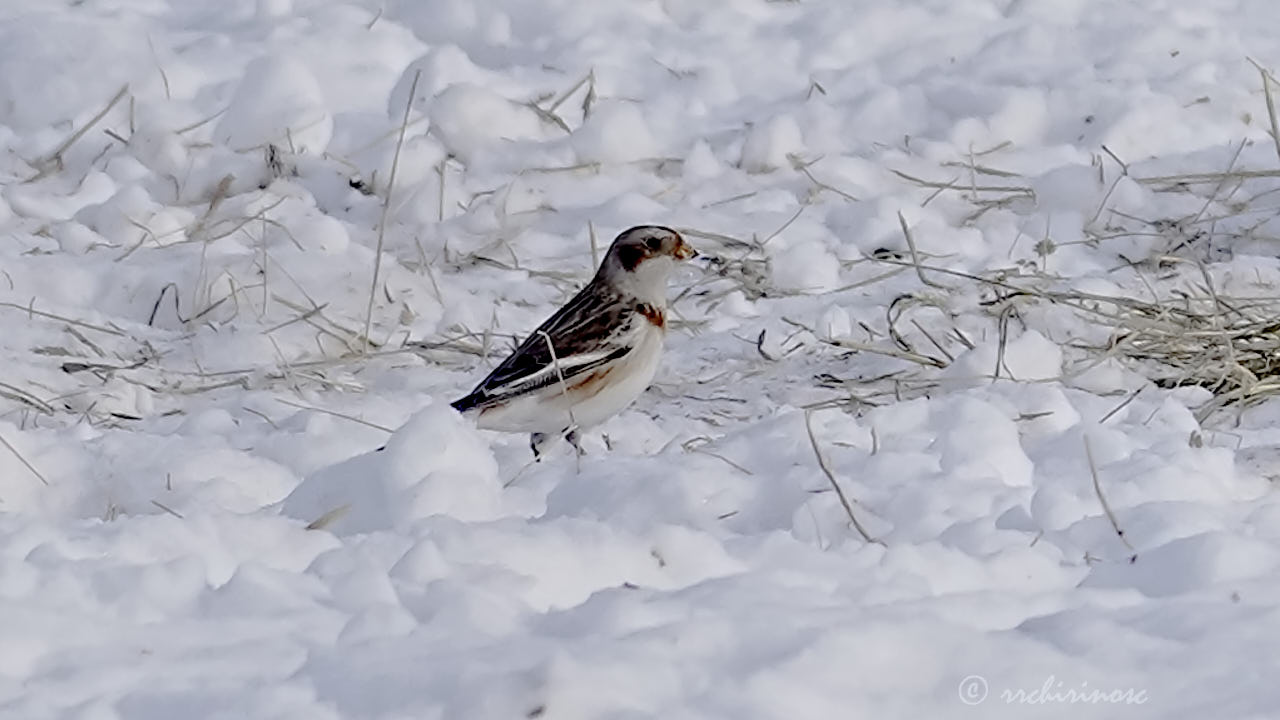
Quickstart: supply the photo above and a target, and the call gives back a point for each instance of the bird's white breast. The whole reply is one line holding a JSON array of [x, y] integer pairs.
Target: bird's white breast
[[633, 374]]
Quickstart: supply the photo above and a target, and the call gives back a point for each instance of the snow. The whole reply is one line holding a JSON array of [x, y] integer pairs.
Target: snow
[[769, 145], [217, 502], [470, 119], [398, 486], [277, 102], [616, 132]]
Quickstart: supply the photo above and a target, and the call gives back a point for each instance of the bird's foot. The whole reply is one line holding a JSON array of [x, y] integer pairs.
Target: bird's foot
[[575, 440], [537, 442]]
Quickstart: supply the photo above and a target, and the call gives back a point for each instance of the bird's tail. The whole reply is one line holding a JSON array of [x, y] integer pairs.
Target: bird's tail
[[467, 403]]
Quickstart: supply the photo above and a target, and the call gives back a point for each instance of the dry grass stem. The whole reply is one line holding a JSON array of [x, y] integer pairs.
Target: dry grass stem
[[386, 207], [564, 388], [1132, 396], [53, 161], [329, 518], [1267, 80], [1102, 500], [23, 460], [595, 247], [337, 414], [915, 255], [30, 310], [831, 478], [168, 509]]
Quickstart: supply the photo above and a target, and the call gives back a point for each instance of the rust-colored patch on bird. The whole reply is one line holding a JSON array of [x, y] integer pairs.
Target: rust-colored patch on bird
[[491, 408], [654, 315], [591, 385]]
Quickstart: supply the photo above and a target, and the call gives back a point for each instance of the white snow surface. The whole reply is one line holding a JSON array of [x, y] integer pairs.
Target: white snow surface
[[215, 504]]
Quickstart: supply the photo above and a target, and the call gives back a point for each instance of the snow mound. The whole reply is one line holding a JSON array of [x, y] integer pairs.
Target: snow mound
[[806, 267], [1030, 356], [278, 101], [616, 132], [769, 144], [470, 119], [1186, 564], [437, 464], [59, 50], [441, 67], [447, 21]]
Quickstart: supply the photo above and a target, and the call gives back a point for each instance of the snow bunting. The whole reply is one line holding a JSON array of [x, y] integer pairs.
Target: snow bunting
[[595, 355]]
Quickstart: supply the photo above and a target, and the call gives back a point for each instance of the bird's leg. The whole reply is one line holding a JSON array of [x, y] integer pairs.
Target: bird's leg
[[536, 442], [574, 440], [539, 442]]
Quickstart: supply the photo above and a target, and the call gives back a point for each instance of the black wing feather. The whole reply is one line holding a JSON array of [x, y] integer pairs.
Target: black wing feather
[[588, 322]]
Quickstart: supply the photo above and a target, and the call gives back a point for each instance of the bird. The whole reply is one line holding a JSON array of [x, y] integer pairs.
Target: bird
[[594, 356]]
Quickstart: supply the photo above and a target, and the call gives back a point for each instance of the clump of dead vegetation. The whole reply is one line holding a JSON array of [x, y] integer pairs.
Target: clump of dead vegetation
[[1179, 329]]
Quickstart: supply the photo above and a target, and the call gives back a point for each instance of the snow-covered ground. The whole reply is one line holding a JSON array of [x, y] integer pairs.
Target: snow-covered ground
[[194, 522]]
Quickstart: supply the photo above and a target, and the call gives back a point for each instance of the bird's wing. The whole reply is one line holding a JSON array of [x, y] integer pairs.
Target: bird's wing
[[591, 330]]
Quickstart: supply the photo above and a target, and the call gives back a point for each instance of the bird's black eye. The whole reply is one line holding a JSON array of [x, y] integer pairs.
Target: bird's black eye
[[653, 243]]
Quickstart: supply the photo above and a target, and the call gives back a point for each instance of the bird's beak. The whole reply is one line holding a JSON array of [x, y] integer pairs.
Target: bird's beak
[[684, 251]]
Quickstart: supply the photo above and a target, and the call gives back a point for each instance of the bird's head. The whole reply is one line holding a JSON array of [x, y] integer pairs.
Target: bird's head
[[641, 258]]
